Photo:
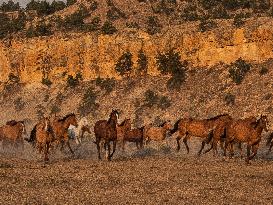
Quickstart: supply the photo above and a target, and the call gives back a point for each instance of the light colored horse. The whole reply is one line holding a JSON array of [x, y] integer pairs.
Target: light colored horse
[[12, 133], [77, 133], [151, 133]]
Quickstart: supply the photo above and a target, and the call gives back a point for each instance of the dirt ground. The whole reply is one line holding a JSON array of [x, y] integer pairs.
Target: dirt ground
[[155, 175]]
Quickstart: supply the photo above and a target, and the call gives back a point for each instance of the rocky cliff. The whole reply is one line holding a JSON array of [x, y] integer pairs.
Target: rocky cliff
[[95, 55]]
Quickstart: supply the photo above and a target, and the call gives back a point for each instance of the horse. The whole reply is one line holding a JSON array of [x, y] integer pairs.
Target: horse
[[245, 132], [202, 128], [12, 133], [106, 130], [218, 133], [134, 135], [156, 133], [42, 136], [60, 128], [122, 129], [78, 132]]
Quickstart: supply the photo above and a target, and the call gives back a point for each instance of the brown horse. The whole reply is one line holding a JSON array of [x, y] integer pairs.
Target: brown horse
[[134, 135], [60, 128], [12, 133], [42, 137], [199, 128], [106, 131], [156, 133], [122, 129], [218, 133], [246, 132]]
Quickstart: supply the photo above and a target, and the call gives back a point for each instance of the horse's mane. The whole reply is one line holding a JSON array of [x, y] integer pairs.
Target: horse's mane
[[13, 122], [67, 116], [218, 116]]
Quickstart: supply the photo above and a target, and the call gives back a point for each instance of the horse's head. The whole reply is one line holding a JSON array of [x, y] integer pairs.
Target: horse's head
[[114, 115], [263, 121], [72, 120], [22, 127], [167, 125]]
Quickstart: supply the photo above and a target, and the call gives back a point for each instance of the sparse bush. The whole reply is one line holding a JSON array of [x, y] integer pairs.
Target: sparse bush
[[170, 63], [164, 102], [70, 2], [124, 64], [10, 6], [142, 62], [19, 104], [108, 28], [94, 25], [264, 70], [88, 103], [55, 109], [206, 25], [153, 99], [46, 82], [41, 29], [13, 78], [73, 82], [190, 13], [219, 12], [229, 99], [238, 21], [153, 25], [76, 20], [238, 70], [107, 84]]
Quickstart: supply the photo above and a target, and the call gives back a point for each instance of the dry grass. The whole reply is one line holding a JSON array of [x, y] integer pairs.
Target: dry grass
[[152, 176]]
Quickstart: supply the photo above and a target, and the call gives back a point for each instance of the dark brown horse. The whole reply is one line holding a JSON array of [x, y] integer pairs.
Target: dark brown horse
[[249, 133], [60, 128], [199, 128], [42, 137], [135, 135], [12, 133], [106, 131]]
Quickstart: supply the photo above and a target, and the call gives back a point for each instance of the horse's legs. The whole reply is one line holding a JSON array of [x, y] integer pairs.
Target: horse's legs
[[211, 146], [98, 148], [240, 148], [178, 143], [68, 144], [254, 151], [46, 151], [107, 149], [202, 147], [186, 144], [114, 148], [248, 153]]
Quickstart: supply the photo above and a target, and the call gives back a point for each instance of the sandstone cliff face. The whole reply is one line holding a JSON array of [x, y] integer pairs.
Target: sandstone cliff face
[[96, 55]]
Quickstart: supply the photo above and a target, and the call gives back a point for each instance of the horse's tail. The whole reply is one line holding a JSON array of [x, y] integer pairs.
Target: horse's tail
[[175, 127], [32, 137], [269, 139]]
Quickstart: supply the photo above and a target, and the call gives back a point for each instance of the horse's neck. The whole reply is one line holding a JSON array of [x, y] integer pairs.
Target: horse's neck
[[112, 122], [259, 128]]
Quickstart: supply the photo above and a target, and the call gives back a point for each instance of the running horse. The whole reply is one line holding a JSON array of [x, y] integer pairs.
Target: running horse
[[60, 128], [249, 133], [201, 128], [106, 131], [42, 137], [12, 133]]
